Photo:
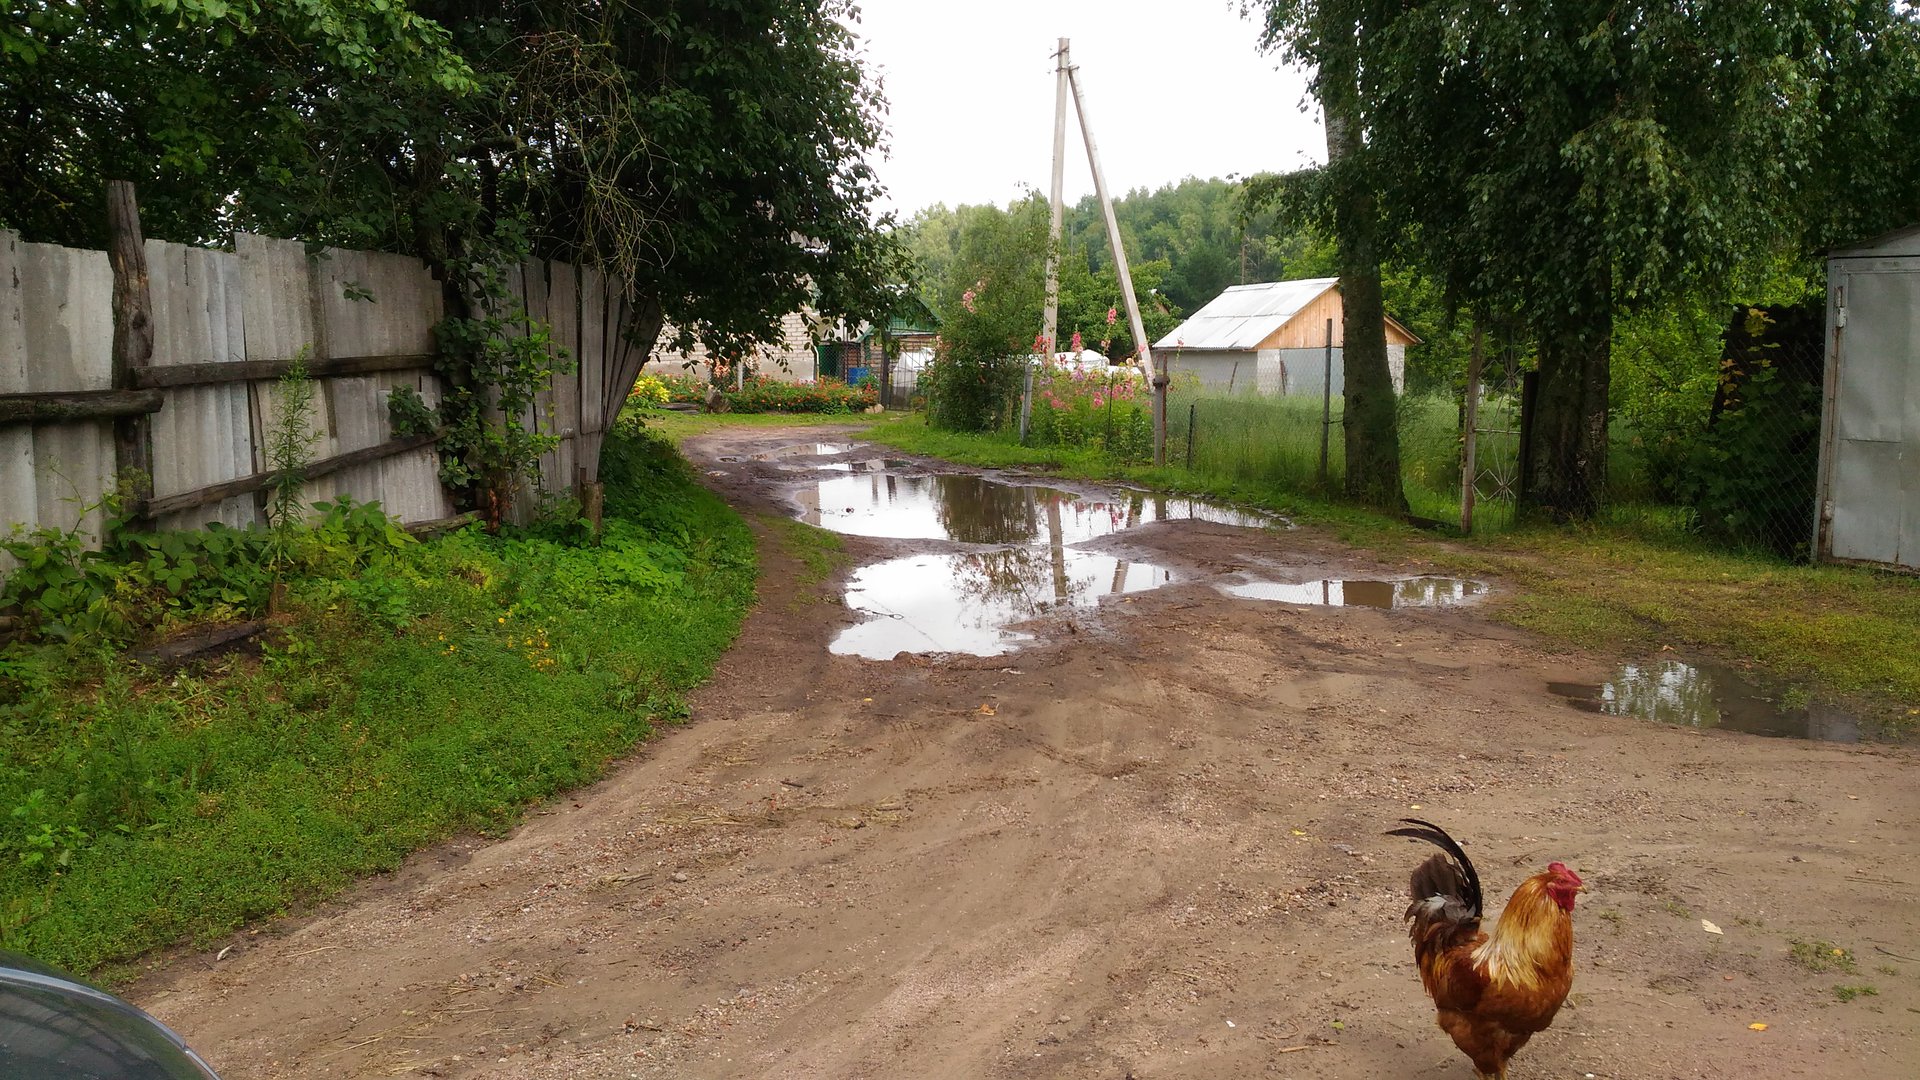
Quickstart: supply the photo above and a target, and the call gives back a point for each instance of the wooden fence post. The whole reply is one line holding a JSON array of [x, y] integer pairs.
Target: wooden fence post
[[132, 338]]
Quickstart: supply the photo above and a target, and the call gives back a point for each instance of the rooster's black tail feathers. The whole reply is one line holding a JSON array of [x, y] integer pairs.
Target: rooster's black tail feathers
[[1440, 877]]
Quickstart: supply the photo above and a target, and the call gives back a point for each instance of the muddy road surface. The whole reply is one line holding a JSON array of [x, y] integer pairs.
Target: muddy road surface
[[1129, 825]]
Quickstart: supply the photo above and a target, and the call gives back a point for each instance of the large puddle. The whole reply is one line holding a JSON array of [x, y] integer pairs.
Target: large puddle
[[970, 509], [1355, 592], [1709, 696], [967, 602]]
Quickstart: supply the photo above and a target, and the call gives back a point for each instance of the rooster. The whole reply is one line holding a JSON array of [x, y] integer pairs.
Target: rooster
[[1493, 991]]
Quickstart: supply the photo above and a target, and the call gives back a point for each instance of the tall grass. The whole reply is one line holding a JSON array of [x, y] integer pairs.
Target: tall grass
[[1250, 438]]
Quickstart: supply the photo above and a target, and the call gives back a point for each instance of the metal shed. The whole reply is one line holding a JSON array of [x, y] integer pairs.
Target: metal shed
[[1869, 491]]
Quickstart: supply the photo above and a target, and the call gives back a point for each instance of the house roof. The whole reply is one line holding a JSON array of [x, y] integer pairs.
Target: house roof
[[1245, 315]]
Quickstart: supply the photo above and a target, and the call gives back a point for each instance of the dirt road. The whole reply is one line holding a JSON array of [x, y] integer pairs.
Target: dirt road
[[1146, 844]]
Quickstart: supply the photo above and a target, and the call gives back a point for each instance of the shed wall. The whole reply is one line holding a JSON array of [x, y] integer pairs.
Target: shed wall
[[1868, 506]]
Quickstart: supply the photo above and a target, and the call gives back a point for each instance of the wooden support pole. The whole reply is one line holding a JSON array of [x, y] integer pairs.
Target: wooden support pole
[[1469, 463], [187, 500], [1326, 404], [60, 407], [132, 335], [1144, 348], [324, 367]]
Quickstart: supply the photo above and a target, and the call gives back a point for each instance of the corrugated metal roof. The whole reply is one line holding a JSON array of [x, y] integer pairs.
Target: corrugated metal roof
[[1898, 243], [1245, 315]]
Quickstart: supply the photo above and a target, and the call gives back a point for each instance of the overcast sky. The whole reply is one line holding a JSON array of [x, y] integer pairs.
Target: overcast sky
[[1173, 89]]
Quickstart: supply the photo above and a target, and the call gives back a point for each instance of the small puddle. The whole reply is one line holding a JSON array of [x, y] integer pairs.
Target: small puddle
[[965, 603], [819, 449], [1353, 592], [1710, 696], [970, 509]]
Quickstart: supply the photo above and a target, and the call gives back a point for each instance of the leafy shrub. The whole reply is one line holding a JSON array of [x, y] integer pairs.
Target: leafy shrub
[[142, 581]]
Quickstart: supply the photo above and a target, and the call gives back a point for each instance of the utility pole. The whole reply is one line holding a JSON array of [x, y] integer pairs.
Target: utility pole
[[1158, 379], [1050, 328]]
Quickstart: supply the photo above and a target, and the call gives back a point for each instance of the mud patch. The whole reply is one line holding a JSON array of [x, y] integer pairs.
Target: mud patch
[[1357, 592], [1699, 695]]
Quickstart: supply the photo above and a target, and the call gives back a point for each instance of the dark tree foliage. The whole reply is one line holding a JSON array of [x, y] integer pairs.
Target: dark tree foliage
[[1565, 163], [713, 154]]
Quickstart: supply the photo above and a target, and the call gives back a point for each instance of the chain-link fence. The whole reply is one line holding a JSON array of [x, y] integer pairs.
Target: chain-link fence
[[1728, 455]]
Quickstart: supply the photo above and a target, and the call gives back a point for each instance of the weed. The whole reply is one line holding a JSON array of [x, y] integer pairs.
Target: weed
[[1848, 993], [1821, 956], [1677, 909]]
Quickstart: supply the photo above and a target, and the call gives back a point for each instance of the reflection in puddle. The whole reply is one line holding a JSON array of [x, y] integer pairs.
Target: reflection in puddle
[[873, 466], [1347, 592], [819, 449], [972, 510], [964, 603], [1707, 696]]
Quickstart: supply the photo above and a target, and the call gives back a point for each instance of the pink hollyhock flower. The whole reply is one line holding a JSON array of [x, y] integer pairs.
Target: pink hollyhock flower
[[1076, 341], [1112, 314]]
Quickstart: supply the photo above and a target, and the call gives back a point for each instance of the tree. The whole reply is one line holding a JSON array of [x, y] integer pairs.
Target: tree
[[1565, 162], [1330, 34], [714, 155]]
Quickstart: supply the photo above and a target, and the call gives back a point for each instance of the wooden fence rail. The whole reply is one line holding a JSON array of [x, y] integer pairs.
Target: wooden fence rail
[[157, 361]]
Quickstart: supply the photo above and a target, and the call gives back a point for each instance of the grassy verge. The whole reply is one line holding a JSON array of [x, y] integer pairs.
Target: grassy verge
[[449, 690], [1620, 586], [677, 426]]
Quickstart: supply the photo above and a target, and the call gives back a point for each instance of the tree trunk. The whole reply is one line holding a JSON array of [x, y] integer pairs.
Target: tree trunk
[[1566, 467], [1371, 425]]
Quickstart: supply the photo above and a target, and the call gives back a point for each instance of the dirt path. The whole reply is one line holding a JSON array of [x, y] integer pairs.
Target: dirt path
[[1147, 846]]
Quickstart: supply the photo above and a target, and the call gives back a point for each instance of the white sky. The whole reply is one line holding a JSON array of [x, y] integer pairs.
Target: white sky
[[1173, 90]]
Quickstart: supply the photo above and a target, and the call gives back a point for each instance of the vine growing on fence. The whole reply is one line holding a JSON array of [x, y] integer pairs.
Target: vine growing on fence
[[494, 362]]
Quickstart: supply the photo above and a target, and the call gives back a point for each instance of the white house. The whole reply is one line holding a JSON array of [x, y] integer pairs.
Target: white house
[[1272, 338]]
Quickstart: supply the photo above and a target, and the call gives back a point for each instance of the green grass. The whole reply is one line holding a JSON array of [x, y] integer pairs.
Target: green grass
[[491, 673], [676, 427], [821, 552], [1625, 584]]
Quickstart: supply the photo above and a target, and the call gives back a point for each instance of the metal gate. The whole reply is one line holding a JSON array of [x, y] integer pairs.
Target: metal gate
[[1869, 500]]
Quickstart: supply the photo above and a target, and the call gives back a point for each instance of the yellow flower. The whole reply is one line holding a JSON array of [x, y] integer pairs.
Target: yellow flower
[[502, 619]]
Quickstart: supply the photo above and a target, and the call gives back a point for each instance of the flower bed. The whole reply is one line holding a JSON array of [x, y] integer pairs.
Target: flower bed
[[758, 394], [1108, 409]]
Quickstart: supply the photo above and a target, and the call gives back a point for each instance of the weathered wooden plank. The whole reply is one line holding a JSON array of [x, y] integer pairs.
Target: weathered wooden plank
[[258, 481], [204, 436], [410, 483], [560, 413], [19, 504], [66, 302], [251, 370], [280, 325], [59, 408]]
